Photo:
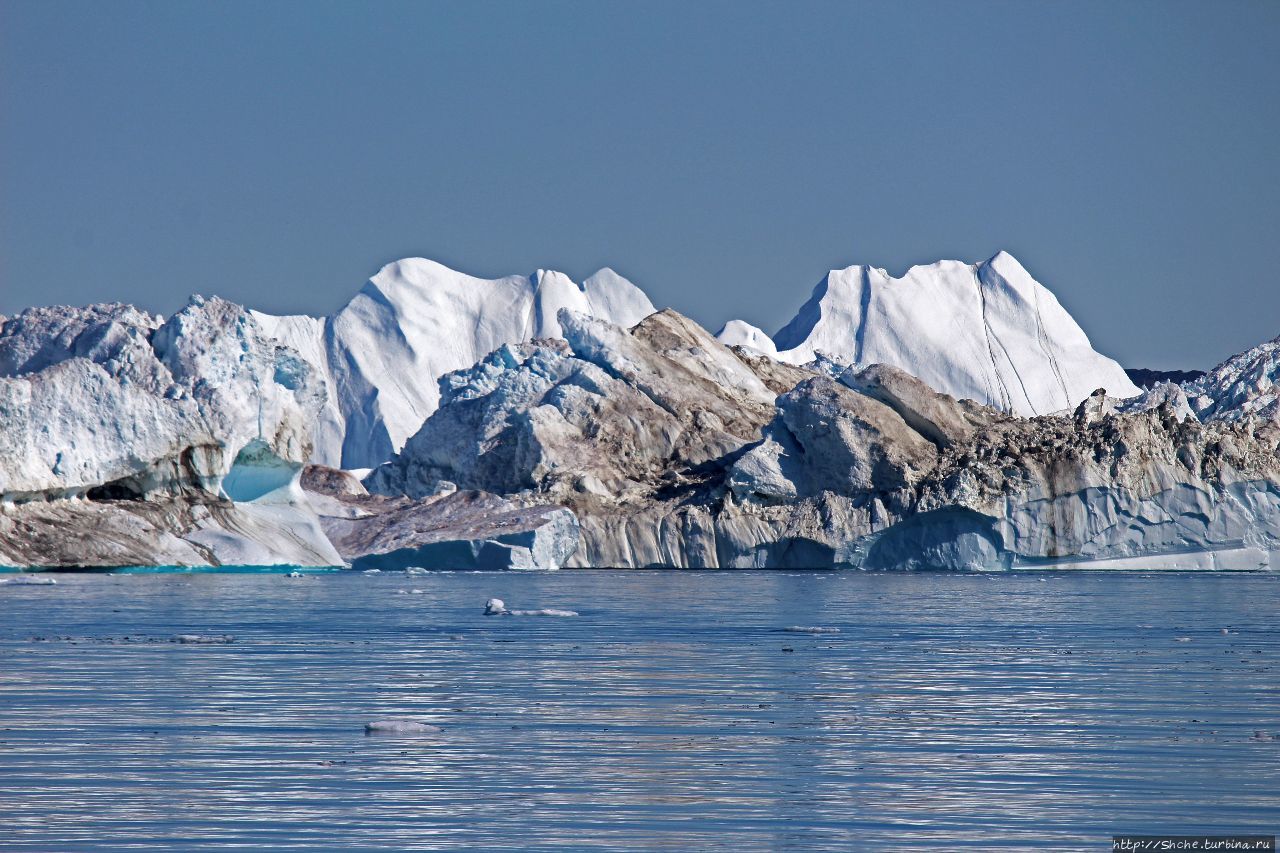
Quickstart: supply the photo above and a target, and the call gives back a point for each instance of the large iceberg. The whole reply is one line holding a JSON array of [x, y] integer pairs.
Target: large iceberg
[[675, 450], [987, 332], [531, 422]]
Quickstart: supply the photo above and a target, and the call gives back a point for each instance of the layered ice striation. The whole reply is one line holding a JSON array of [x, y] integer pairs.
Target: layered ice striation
[[987, 332], [444, 529]]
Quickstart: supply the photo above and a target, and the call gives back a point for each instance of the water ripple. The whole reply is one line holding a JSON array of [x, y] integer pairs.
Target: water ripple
[[675, 712]]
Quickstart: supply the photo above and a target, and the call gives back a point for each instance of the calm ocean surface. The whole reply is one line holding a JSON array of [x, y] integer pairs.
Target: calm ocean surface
[[1035, 711]]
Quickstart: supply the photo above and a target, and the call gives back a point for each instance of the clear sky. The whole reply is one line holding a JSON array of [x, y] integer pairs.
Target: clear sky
[[723, 156]]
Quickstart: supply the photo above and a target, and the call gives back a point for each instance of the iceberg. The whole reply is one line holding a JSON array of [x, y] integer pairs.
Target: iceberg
[[497, 607], [956, 417], [380, 355], [127, 439], [987, 332], [672, 449]]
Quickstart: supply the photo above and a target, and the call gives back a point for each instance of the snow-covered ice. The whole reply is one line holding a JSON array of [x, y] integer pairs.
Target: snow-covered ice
[[399, 727], [987, 332]]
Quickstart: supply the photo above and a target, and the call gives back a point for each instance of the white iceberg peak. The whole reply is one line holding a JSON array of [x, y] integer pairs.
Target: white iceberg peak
[[987, 332], [416, 320], [740, 333]]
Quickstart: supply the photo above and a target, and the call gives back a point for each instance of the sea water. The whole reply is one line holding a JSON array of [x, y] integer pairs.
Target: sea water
[[675, 711]]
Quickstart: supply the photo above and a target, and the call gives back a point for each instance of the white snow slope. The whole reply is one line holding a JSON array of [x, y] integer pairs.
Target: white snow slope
[[416, 320], [987, 332]]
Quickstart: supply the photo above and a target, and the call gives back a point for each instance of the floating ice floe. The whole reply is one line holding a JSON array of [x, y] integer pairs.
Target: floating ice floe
[[372, 572], [28, 580], [810, 629], [496, 607], [415, 570], [202, 639], [399, 727]]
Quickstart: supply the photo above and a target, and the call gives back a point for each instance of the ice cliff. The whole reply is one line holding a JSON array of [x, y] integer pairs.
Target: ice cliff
[[987, 332], [673, 449]]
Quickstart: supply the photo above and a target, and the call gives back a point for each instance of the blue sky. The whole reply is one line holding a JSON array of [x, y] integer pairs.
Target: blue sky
[[722, 155]]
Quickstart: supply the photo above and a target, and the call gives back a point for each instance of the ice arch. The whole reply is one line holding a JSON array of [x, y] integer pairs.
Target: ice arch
[[258, 472]]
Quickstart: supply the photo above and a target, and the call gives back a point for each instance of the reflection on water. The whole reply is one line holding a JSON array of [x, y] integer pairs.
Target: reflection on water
[[673, 713]]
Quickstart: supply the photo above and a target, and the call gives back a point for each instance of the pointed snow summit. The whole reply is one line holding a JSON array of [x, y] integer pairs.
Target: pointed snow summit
[[987, 332]]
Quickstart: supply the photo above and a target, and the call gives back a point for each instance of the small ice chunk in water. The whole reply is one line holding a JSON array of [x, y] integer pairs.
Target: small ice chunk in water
[[399, 727], [415, 570], [295, 575], [28, 580], [372, 572], [811, 629], [497, 607], [201, 639]]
